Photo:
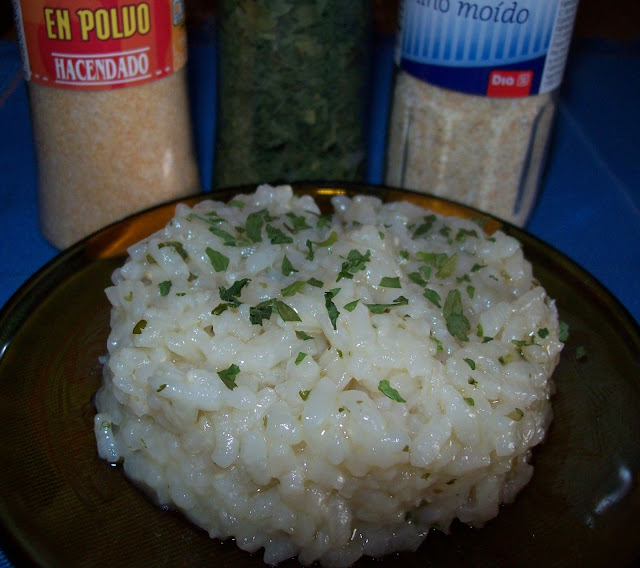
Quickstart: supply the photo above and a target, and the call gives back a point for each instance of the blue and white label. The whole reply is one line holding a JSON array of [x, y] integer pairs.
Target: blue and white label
[[510, 48]]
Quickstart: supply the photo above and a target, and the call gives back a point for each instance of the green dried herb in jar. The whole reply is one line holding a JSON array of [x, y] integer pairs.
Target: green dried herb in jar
[[292, 91]]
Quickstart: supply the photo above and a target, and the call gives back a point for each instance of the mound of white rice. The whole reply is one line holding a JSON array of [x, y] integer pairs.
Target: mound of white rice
[[326, 386]]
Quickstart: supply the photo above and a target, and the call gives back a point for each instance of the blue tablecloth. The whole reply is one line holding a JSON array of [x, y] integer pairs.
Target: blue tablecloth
[[589, 207]]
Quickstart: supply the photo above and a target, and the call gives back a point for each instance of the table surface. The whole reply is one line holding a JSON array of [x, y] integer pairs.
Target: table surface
[[589, 205]]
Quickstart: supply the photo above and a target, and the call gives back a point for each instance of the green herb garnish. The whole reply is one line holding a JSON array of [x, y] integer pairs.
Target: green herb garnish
[[264, 310], [260, 312], [351, 305], [390, 282], [299, 223], [417, 278], [330, 240], [386, 389], [227, 238], [287, 267], [219, 309], [137, 329], [462, 235], [228, 376], [219, 261], [303, 335], [382, 308], [164, 287], [437, 260], [355, 262], [232, 294], [448, 267], [304, 394], [311, 254], [323, 220], [426, 271], [300, 357], [277, 236], [332, 311], [432, 296], [457, 324], [286, 312], [177, 246], [293, 288], [425, 227], [254, 225]]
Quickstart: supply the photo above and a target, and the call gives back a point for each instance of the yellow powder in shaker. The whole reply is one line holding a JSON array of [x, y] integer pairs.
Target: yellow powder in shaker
[[103, 155], [109, 108]]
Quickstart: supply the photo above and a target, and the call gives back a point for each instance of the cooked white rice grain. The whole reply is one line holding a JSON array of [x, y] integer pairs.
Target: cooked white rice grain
[[321, 387]]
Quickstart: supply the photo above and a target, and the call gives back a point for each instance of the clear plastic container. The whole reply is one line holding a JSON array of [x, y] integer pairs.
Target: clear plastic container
[[474, 100], [292, 96], [109, 108]]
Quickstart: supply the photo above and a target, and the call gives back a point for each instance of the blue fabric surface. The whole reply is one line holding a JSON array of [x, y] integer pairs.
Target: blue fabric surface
[[589, 207]]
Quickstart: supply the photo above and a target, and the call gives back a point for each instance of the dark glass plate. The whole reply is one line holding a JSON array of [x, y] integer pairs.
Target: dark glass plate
[[62, 506]]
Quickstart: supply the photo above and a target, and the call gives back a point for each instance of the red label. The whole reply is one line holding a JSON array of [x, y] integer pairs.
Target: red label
[[508, 83], [101, 44]]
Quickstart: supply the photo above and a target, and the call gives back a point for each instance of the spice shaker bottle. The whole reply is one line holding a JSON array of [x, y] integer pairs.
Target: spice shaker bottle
[[474, 98], [292, 91], [109, 108]]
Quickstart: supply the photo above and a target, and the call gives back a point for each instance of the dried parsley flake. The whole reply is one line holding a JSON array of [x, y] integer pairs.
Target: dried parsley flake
[[292, 76], [219, 261], [386, 389], [332, 311], [457, 323], [137, 329], [164, 287], [228, 376]]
